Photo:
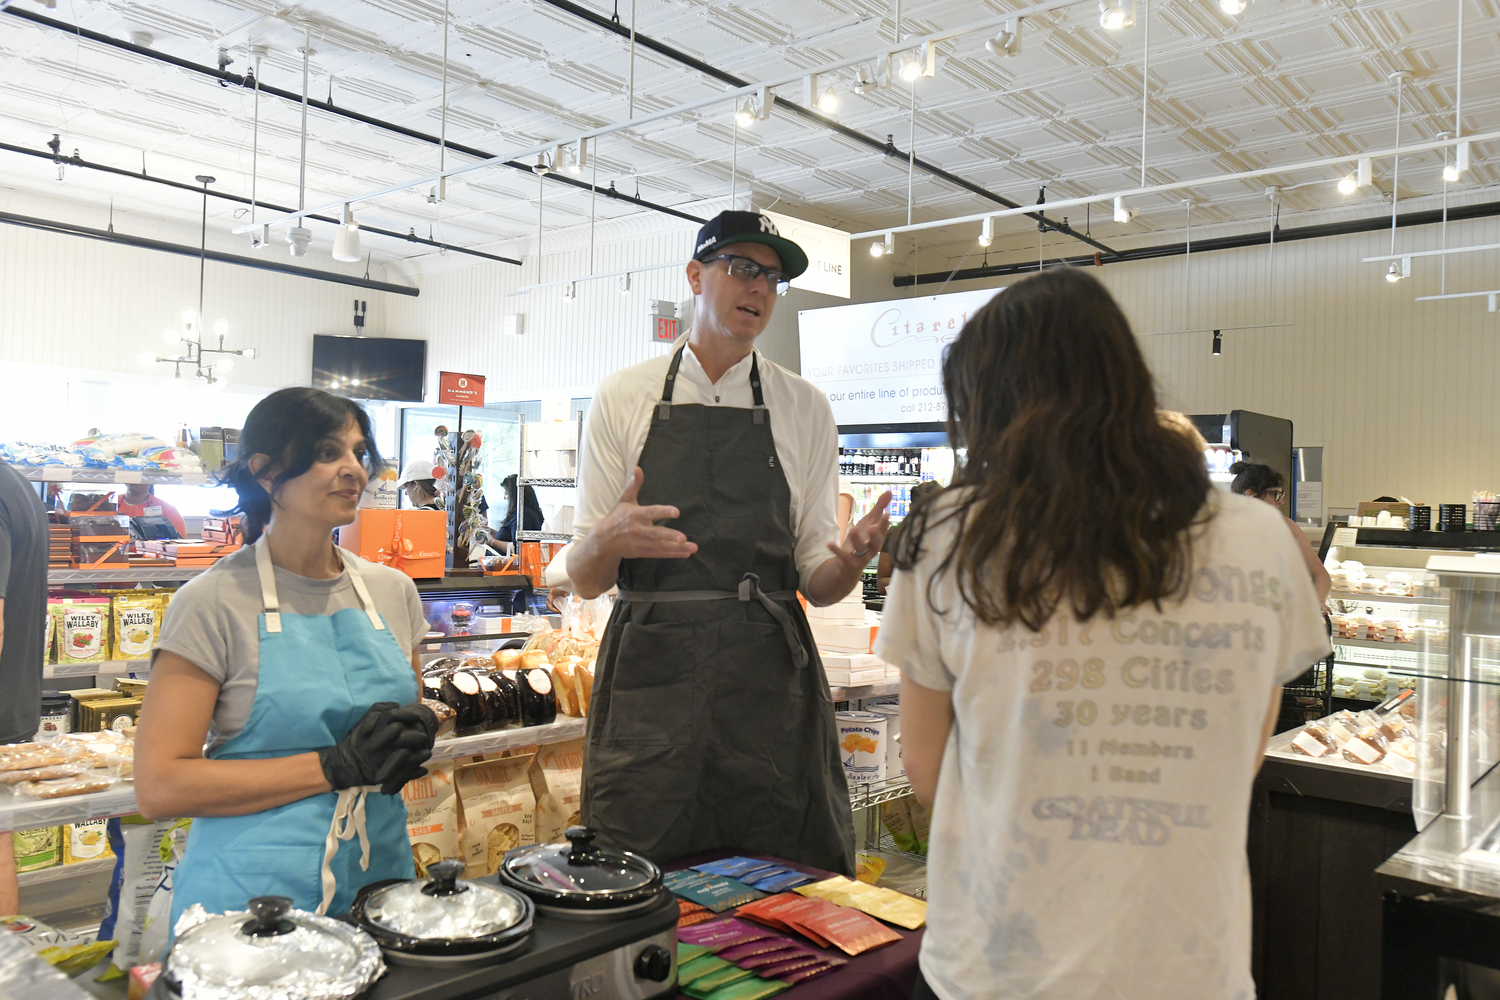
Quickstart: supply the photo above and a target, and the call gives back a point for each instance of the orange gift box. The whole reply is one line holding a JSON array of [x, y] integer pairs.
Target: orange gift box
[[413, 541]]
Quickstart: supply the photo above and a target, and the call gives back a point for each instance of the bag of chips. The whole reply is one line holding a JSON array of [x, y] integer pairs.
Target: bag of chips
[[432, 817], [499, 812]]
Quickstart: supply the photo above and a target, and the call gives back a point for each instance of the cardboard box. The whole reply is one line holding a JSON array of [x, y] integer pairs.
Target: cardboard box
[[849, 611], [413, 541], [851, 669], [843, 638]]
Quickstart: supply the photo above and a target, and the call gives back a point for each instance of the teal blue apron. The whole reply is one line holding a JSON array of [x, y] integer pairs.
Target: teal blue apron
[[318, 676]]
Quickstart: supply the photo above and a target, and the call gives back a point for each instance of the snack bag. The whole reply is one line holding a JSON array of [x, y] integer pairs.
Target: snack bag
[[86, 840], [432, 817], [499, 812], [557, 779], [134, 841], [69, 953], [38, 849], [896, 818], [83, 630], [921, 822], [137, 622]]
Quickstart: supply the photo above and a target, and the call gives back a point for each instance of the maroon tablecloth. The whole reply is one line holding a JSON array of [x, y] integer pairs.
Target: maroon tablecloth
[[887, 973]]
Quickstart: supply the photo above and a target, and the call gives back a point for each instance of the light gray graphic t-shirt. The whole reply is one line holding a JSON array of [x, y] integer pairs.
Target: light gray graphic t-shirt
[[213, 622], [1088, 837]]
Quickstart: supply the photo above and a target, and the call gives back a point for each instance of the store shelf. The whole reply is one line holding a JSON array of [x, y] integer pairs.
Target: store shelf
[[79, 869], [1405, 647], [1473, 541], [862, 796], [542, 536], [164, 574], [66, 474], [898, 480], [17, 813], [54, 671], [547, 482], [504, 581], [1354, 597], [565, 728], [881, 689]]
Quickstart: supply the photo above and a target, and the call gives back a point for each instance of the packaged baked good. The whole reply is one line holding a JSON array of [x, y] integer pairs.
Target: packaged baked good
[[64, 787], [500, 708], [567, 691], [137, 622], [432, 819], [460, 691], [41, 774], [506, 659], [445, 716], [499, 812], [1365, 747], [557, 779], [82, 629], [538, 696], [27, 756]]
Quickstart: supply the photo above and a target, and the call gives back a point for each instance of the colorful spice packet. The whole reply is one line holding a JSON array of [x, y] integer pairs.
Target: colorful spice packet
[[807, 972], [735, 953], [705, 985], [735, 867], [723, 933], [852, 931], [687, 952], [887, 904], [699, 967], [781, 881], [715, 892], [775, 957], [790, 913], [750, 989], [779, 969]]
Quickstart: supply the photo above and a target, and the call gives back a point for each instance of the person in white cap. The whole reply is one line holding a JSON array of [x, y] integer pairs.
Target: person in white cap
[[418, 483]]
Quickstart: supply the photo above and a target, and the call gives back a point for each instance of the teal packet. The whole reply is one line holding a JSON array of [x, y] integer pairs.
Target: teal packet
[[715, 892], [737, 868]]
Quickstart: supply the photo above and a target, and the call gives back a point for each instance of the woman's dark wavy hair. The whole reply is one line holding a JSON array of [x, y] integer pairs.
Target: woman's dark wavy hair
[[288, 425], [1257, 479], [1072, 489]]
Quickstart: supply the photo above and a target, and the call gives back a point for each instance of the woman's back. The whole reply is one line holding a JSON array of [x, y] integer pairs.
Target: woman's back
[[1088, 834]]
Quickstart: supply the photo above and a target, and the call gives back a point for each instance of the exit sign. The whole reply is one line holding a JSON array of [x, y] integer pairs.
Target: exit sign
[[665, 331]]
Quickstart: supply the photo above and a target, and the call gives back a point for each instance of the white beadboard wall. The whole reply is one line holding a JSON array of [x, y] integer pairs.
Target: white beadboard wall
[[1401, 394]]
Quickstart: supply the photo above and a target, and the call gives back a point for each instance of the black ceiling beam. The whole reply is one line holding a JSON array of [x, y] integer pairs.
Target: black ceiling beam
[[884, 147], [77, 161], [235, 79], [1314, 232], [258, 263]]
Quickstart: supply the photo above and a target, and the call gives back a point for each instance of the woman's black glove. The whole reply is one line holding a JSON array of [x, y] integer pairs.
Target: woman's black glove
[[381, 745], [411, 750]]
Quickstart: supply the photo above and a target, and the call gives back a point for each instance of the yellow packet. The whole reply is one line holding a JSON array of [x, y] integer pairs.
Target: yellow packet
[[868, 868], [137, 621], [886, 904]]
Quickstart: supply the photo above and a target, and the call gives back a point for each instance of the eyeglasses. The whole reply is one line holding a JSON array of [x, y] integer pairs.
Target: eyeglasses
[[749, 271], [1275, 495]]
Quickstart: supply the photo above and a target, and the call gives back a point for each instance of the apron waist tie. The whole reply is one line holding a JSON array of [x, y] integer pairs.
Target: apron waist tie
[[749, 589], [348, 821]]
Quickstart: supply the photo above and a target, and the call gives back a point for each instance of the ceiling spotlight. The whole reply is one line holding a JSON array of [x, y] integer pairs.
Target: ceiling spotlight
[[1122, 214], [1450, 174], [1234, 8], [571, 164], [1348, 184], [1362, 172], [864, 80], [250, 352], [1218, 343], [217, 382], [910, 69], [346, 240], [877, 249], [743, 116], [261, 238], [625, 284], [225, 364], [1007, 42], [1113, 16], [298, 237], [987, 231], [1394, 274], [221, 328], [885, 248], [570, 291], [540, 166], [829, 102]]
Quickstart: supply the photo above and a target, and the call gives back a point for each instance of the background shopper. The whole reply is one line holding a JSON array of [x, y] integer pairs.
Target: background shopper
[[1091, 642], [291, 660], [418, 483], [140, 500], [23, 633], [1266, 484], [710, 724], [532, 517]]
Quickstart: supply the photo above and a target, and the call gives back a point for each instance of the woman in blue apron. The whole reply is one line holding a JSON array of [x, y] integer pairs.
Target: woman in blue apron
[[283, 711]]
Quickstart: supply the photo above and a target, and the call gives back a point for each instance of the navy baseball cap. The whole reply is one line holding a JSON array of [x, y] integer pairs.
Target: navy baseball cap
[[727, 228]]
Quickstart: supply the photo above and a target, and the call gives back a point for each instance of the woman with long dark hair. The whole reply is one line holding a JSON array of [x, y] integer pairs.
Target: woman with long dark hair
[[294, 662], [1089, 638], [531, 516]]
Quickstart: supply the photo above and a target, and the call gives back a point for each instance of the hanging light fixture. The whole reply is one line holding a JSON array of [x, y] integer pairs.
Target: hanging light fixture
[[1347, 184], [910, 68], [1113, 16], [829, 102], [1122, 214], [189, 337], [864, 80], [346, 240], [1007, 42], [1218, 343], [1453, 171], [1234, 8], [625, 283], [743, 116], [987, 231], [884, 249]]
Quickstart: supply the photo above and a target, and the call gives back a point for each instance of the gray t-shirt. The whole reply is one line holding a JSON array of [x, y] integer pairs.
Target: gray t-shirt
[[214, 623], [23, 586]]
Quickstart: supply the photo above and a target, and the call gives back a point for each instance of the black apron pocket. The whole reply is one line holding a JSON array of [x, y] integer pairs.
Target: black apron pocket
[[651, 690], [758, 690]]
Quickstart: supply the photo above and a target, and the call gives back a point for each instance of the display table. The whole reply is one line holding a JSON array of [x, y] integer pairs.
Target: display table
[[887, 973]]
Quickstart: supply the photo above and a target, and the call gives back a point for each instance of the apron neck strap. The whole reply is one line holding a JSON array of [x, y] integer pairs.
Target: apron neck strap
[[664, 408], [272, 605]]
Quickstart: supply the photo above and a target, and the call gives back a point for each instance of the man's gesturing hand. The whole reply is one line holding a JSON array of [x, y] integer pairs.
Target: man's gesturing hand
[[629, 530], [865, 538]]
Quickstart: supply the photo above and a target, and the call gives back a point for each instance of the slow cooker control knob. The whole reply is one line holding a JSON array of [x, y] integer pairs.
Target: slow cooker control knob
[[654, 963]]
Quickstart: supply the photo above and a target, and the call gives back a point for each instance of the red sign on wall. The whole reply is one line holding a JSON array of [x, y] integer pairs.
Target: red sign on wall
[[665, 331], [455, 389]]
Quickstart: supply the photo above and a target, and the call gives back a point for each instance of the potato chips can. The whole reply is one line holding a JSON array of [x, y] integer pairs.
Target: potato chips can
[[862, 737]]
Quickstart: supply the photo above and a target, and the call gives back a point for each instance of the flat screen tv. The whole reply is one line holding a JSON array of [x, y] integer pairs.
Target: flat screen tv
[[370, 367]]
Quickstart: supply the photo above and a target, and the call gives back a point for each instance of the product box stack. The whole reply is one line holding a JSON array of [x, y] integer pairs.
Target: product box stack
[[844, 640], [59, 540], [98, 533], [199, 553]]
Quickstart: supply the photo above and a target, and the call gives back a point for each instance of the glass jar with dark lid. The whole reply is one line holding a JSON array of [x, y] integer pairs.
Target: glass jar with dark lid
[[580, 878]]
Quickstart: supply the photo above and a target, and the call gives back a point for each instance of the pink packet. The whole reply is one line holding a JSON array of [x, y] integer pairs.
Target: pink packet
[[778, 969], [786, 954], [750, 949], [722, 934], [809, 971]]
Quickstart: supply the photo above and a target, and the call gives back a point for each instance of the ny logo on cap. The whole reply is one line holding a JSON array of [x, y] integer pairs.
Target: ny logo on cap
[[767, 226]]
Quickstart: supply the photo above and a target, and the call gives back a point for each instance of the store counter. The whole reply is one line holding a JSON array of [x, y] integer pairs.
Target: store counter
[[887, 973]]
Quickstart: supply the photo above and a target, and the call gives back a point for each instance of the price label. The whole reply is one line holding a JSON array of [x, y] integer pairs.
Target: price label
[[1345, 536], [57, 474], [194, 478], [128, 476]]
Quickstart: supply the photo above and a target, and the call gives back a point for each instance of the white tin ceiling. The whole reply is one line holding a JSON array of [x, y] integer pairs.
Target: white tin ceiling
[[1288, 80]]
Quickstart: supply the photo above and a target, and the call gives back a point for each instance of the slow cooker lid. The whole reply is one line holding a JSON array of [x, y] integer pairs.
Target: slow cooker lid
[[445, 908], [580, 870], [271, 950]]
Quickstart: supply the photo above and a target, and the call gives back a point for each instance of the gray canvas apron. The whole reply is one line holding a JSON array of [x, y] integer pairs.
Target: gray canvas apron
[[710, 723]]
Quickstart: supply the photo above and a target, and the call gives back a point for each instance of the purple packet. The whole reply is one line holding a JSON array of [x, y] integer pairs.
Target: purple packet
[[760, 962], [781, 882], [777, 969], [734, 867], [750, 949], [808, 972], [719, 934]]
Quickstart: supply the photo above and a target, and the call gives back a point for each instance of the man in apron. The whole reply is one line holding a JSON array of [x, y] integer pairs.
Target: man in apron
[[708, 484]]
